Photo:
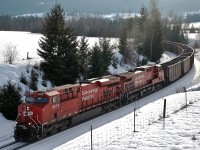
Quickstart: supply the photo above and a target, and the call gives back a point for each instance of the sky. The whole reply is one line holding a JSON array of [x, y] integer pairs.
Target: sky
[[115, 130], [20, 7]]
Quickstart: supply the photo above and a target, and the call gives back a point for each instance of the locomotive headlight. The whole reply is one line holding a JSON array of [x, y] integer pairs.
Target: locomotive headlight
[[27, 108], [29, 123]]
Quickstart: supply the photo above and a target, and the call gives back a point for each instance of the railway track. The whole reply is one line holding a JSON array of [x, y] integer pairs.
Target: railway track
[[13, 145]]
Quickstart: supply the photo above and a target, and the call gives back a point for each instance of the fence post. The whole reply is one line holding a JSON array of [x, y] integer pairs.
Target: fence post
[[134, 118], [186, 96], [91, 138], [164, 113], [27, 57], [164, 109]]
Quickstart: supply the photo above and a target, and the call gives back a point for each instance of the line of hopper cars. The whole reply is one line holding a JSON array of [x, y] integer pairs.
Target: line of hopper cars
[[49, 111]]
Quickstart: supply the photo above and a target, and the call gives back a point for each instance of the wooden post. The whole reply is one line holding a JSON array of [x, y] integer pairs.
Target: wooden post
[[164, 113], [134, 118], [185, 95], [27, 55], [91, 138], [164, 109]]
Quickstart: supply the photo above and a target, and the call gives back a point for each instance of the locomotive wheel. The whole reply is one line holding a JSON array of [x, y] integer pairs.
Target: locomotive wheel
[[16, 136], [44, 134], [69, 122], [32, 136]]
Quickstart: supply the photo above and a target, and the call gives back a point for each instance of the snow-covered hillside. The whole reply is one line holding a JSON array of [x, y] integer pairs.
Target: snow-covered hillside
[[25, 42]]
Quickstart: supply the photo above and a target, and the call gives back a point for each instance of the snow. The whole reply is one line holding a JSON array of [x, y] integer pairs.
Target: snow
[[25, 42], [194, 24], [6, 130], [151, 131], [114, 131], [166, 56]]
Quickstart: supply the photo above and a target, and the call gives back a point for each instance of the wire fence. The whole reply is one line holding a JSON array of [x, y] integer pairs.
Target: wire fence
[[138, 120]]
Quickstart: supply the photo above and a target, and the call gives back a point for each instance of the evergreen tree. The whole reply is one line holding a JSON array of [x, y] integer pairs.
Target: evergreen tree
[[58, 48], [123, 46], [23, 78], [96, 62], [107, 53], [149, 36], [158, 41], [175, 32], [155, 32], [141, 35], [10, 98], [34, 81], [83, 56]]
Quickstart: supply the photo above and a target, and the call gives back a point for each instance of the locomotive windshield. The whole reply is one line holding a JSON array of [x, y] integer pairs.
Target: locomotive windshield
[[41, 100], [29, 99]]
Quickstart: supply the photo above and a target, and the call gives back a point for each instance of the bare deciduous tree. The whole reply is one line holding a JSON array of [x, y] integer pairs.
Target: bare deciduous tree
[[10, 53]]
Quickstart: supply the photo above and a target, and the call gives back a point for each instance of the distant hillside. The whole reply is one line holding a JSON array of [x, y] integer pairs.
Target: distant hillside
[[18, 7]]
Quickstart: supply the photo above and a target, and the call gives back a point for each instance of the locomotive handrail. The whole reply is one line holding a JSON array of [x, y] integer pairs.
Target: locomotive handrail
[[34, 122]]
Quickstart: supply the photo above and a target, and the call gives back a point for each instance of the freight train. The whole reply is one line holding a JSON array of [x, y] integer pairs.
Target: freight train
[[47, 112]]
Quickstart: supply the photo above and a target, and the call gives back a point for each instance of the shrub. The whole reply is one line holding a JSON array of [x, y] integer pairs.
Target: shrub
[[34, 81], [23, 79], [10, 98]]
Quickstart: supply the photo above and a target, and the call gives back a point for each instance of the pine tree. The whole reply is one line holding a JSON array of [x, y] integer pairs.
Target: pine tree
[[10, 98], [176, 32], [34, 81], [158, 41], [107, 53], [155, 32], [141, 35], [96, 62], [149, 37], [83, 56], [58, 48], [123, 45], [23, 78]]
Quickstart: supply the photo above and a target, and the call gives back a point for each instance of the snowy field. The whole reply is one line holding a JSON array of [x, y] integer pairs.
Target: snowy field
[[151, 132], [115, 129]]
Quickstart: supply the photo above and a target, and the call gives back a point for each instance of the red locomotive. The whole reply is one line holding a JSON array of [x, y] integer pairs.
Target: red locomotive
[[46, 112]]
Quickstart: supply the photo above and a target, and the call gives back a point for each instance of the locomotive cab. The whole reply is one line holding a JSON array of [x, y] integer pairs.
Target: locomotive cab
[[28, 122]]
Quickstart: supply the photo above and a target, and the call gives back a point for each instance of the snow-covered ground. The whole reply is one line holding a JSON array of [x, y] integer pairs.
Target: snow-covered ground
[[195, 25], [152, 132], [115, 129]]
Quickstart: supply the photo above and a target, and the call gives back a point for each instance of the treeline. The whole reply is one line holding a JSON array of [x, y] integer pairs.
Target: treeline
[[101, 27], [32, 24], [91, 26], [193, 18], [174, 30]]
